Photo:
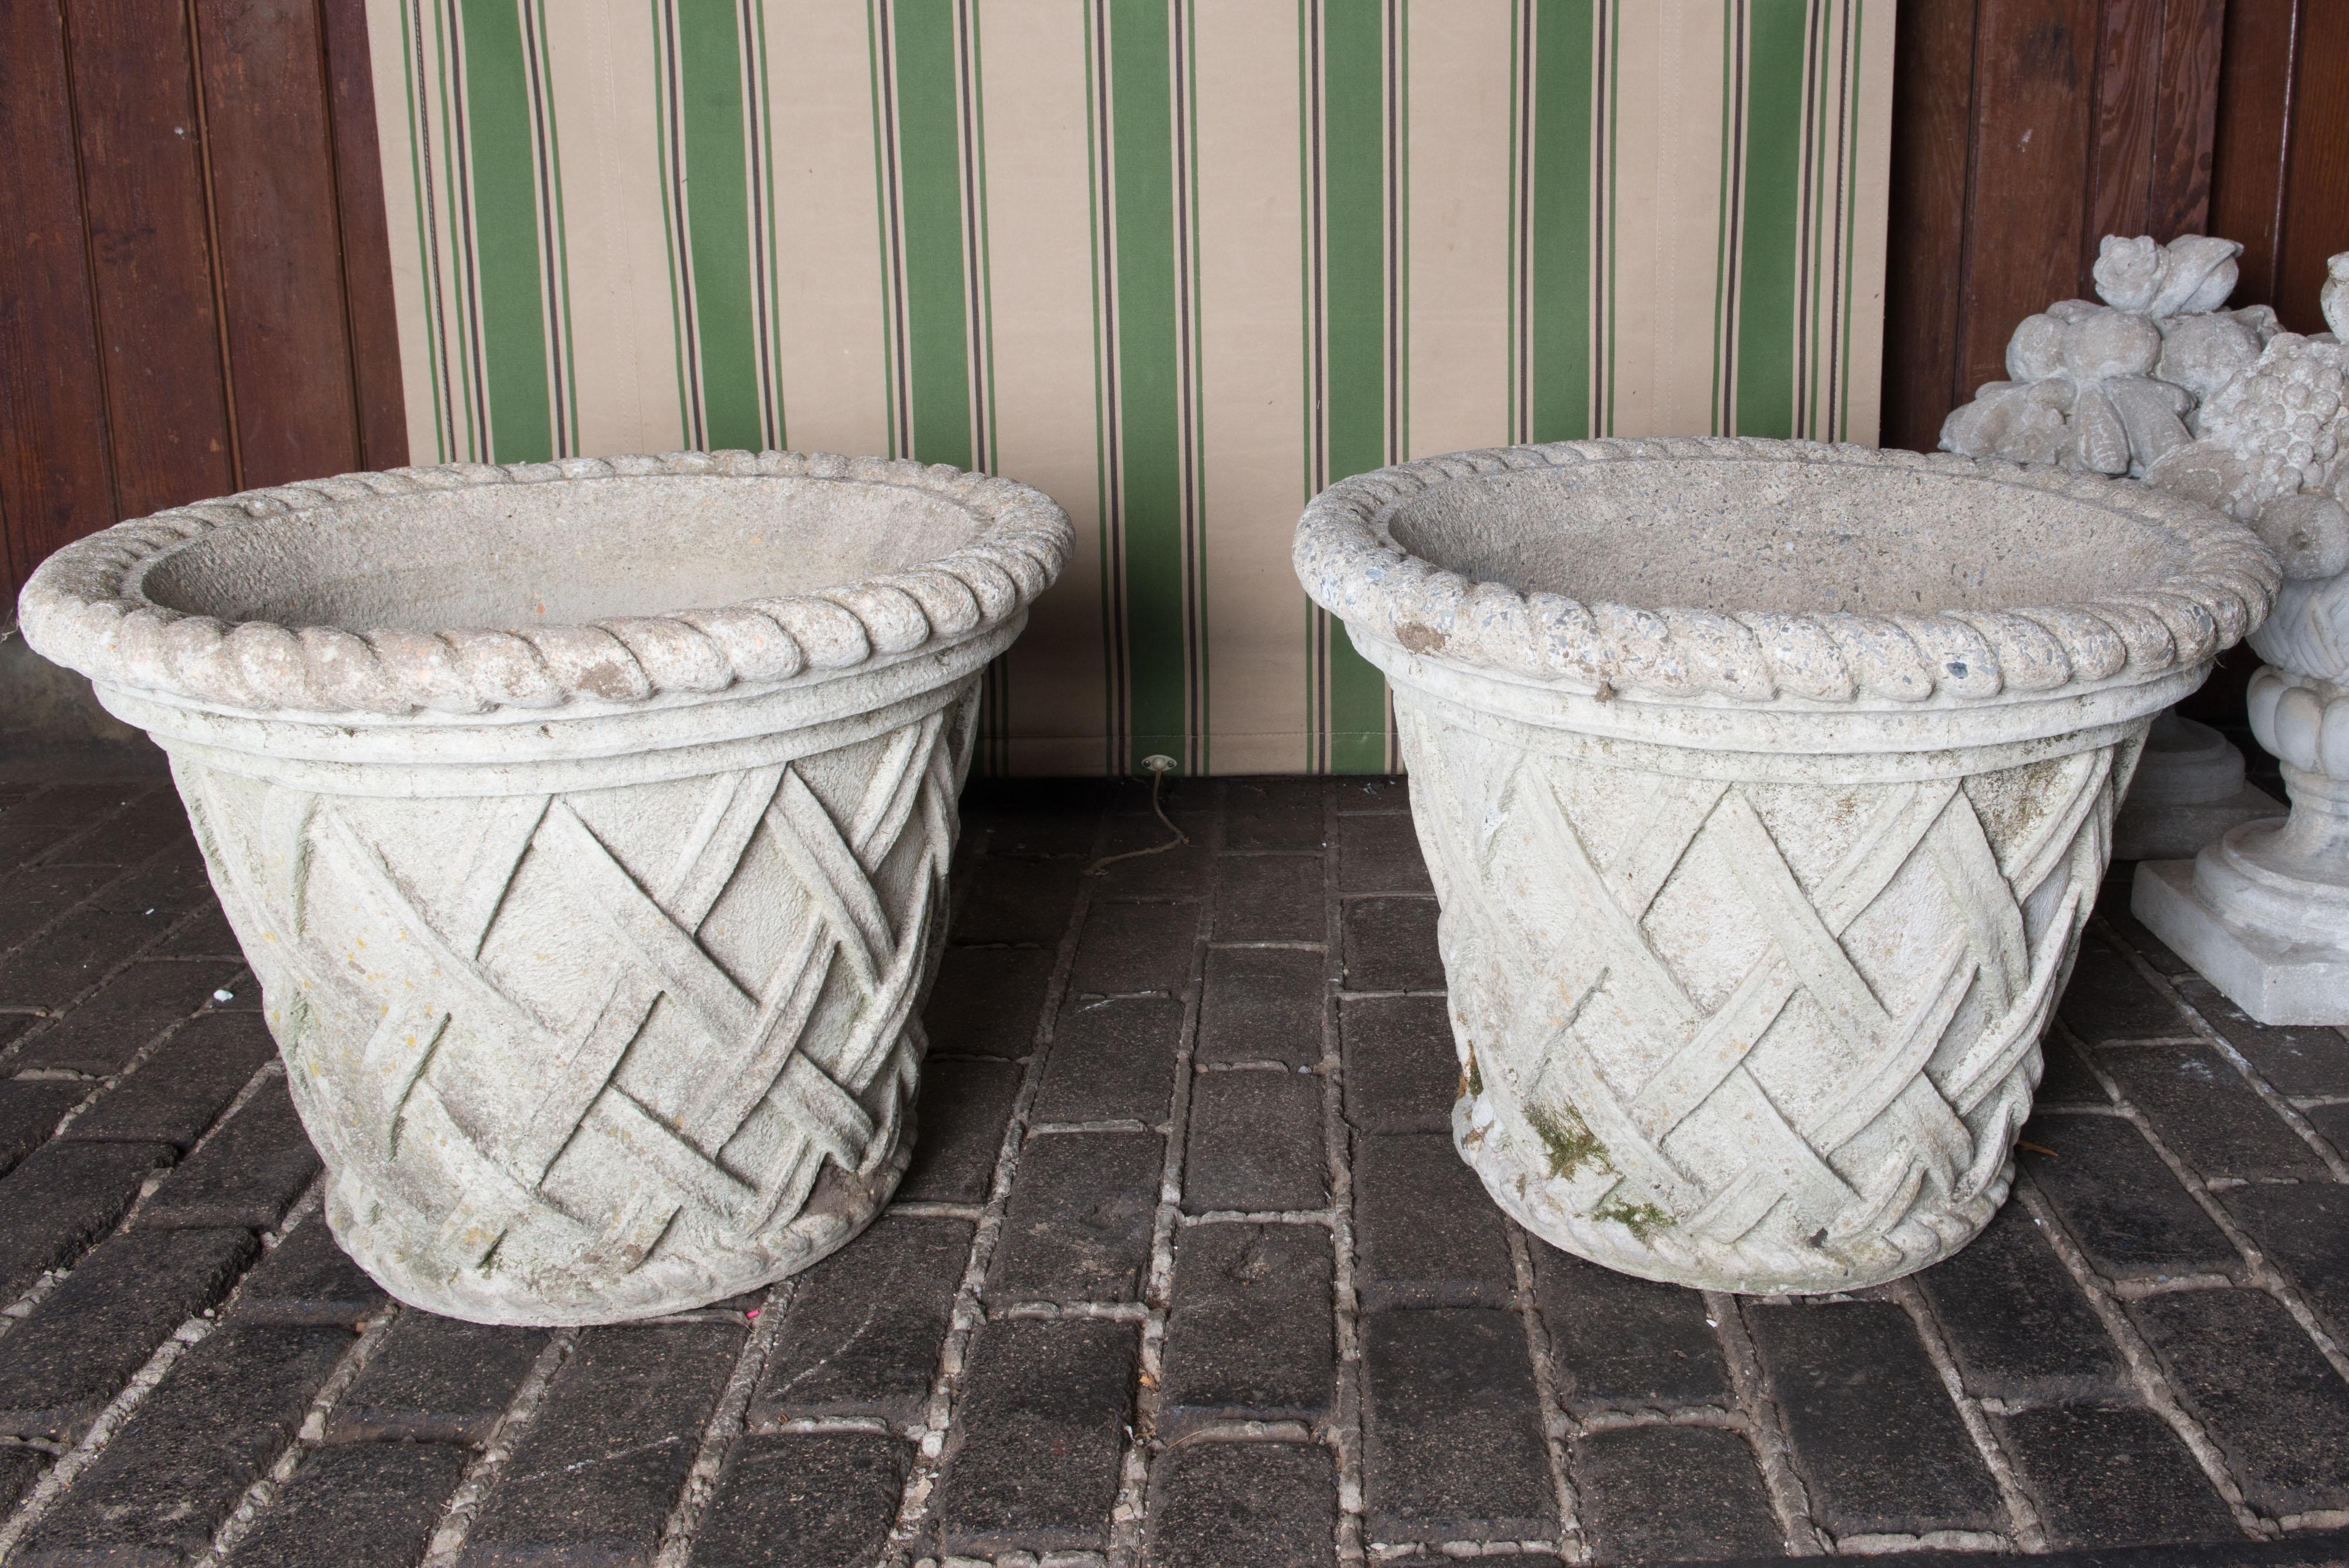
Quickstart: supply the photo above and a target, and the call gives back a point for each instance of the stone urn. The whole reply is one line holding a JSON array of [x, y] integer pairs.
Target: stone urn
[[593, 925], [1766, 786]]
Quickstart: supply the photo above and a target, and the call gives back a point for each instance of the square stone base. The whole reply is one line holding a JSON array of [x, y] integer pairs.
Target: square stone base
[[2163, 830], [2276, 983]]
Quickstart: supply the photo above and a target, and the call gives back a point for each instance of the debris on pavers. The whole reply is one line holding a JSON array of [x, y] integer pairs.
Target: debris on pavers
[[1185, 1272]]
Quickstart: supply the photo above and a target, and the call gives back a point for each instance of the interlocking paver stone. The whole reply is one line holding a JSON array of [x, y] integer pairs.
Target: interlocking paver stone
[[1627, 1341], [436, 1380], [249, 1173], [1272, 898], [1426, 1233], [1381, 854], [180, 1090], [2274, 1406], [2120, 1202], [2297, 1060], [1268, 1505], [40, 824], [987, 1002], [804, 1500], [371, 1505], [2108, 1000], [1451, 1437], [169, 1477], [2207, 1114], [960, 1116], [1113, 1059], [1403, 1072], [206, 936], [1256, 1143], [1263, 1005], [2113, 1477], [1034, 1464], [1129, 948], [38, 896], [101, 1036], [2016, 1320], [2112, 908], [2065, 1078], [74, 1351], [1248, 1338], [595, 1477], [1018, 901], [63, 1196], [20, 1471], [2304, 1229], [1390, 945], [1078, 1226], [1655, 1494], [861, 1335], [306, 1279], [1875, 1436], [1273, 814], [30, 1110]]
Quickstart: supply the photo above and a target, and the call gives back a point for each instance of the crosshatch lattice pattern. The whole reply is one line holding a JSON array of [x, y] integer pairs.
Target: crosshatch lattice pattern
[[759, 938], [1753, 1024]]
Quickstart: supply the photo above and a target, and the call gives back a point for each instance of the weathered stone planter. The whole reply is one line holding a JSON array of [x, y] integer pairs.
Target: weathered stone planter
[[1754, 910], [594, 944]]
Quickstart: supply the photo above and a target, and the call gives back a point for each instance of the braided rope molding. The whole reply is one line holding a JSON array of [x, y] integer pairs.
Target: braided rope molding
[[83, 607], [2223, 586]]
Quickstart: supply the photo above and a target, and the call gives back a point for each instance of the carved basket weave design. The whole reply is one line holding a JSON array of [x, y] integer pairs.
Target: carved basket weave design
[[726, 1102], [1749, 1032]]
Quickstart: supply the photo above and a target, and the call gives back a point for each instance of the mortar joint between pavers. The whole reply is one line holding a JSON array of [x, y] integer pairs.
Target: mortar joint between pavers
[[1556, 1420], [725, 1427], [482, 1473], [2029, 1530], [968, 1312], [1764, 1430]]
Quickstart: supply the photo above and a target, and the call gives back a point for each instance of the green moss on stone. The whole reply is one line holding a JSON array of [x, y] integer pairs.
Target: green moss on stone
[[1568, 1139]]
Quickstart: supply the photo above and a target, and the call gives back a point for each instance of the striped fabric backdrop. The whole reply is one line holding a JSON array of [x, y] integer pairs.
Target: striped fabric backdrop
[[1179, 263]]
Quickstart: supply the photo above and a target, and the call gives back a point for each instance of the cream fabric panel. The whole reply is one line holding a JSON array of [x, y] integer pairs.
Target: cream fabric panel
[[1179, 263]]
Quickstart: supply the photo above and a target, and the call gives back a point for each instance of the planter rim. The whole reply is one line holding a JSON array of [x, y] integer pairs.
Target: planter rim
[[1346, 556], [86, 606]]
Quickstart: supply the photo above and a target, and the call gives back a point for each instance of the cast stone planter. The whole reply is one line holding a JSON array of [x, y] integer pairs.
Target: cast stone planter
[[593, 925], [1766, 786]]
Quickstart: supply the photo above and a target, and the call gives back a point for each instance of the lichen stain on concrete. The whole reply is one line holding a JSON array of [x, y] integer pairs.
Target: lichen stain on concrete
[[1421, 639]]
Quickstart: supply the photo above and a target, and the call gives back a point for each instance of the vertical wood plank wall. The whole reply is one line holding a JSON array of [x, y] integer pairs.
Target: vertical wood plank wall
[[195, 282], [195, 288], [2024, 131]]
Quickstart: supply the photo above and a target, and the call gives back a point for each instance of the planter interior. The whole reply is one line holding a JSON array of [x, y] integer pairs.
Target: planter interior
[[593, 927], [1766, 787]]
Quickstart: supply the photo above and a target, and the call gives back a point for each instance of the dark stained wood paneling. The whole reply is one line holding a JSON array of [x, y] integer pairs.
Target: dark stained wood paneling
[[2121, 173], [143, 186], [2186, 119], [367, 243], [2034, 127], [265, 114], [2316, 165], [1932, 86], [55, 479], [2255, 79]]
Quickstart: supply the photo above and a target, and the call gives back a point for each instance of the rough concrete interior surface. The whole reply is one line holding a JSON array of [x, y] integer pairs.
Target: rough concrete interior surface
[[1186, 1272]]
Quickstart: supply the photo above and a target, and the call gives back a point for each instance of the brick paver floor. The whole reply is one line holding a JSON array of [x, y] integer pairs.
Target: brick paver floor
[[1184, 1273]]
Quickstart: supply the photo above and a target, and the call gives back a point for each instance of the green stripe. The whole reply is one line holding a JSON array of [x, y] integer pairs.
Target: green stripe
[[1559, 310], [505, 232], [1766, 268], [1149, 353], [929, 174], [717, 219], [1354, 393]]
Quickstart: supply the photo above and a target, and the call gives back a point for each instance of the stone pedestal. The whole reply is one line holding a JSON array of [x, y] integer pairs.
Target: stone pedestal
[[2265, 911], [2187, 792]]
